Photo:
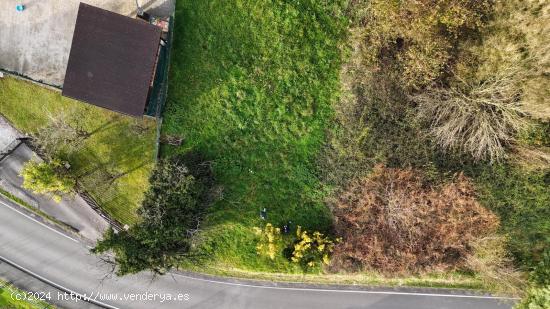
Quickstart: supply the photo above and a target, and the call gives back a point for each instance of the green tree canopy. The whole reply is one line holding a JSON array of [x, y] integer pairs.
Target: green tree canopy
[[170, 214]]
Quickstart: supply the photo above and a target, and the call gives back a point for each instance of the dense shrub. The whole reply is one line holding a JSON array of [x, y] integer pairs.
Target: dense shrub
[[311, 249], [47, 178], [308, 250], [171, 214], [541, 273], [269, 242], [538, 298], [374, 124], [497, 79], [392, 221], [475, 79], [397, 48]]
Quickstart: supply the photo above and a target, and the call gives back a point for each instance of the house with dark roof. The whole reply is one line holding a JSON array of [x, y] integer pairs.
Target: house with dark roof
[[114, 61]]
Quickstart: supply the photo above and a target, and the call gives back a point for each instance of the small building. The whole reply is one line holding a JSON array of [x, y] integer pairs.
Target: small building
[[113, 61]]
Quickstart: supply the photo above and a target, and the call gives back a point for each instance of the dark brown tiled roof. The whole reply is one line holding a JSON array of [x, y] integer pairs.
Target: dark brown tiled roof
[[112, 60]]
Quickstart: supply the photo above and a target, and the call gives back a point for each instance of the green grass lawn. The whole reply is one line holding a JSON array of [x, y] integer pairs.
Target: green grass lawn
[[119, 145], [251, 89]]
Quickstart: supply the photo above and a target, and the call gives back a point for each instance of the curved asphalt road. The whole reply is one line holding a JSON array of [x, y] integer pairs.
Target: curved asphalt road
[[67, 264]]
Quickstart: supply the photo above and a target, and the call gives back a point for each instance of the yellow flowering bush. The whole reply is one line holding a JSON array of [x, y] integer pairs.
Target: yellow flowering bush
[[47, 178], [269, 240], [312, 250]]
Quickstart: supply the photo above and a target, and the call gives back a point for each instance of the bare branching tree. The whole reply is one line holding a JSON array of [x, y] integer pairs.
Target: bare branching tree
[[62, 133]]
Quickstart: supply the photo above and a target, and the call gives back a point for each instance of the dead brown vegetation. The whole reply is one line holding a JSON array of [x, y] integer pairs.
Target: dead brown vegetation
[[392, 221], [477, 118]]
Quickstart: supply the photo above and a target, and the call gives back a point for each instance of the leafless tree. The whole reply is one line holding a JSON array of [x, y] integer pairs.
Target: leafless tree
[[62, 132]]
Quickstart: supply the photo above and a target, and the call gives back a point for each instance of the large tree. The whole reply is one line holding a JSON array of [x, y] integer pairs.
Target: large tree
[[170, 214]]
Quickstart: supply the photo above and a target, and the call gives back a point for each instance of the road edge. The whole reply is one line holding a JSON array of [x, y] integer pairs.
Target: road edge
[[251, 283]]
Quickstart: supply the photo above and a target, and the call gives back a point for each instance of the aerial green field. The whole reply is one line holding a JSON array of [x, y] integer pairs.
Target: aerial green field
[[113, 163], [289, 106], [251, 89]]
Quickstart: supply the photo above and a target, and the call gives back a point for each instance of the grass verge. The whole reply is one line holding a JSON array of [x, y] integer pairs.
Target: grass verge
[[8, 299], [454, 280]]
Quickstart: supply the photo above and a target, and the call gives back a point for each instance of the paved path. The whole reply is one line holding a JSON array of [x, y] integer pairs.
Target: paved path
[[7, 134], [66, 263]]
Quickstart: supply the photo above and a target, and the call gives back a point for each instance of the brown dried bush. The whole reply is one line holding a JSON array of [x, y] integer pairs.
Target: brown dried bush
[[392, 221], [477, 118], [497, 82]]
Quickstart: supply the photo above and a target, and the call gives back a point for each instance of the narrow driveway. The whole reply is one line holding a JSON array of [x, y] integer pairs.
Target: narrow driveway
[[65, 262], [7, 134]]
